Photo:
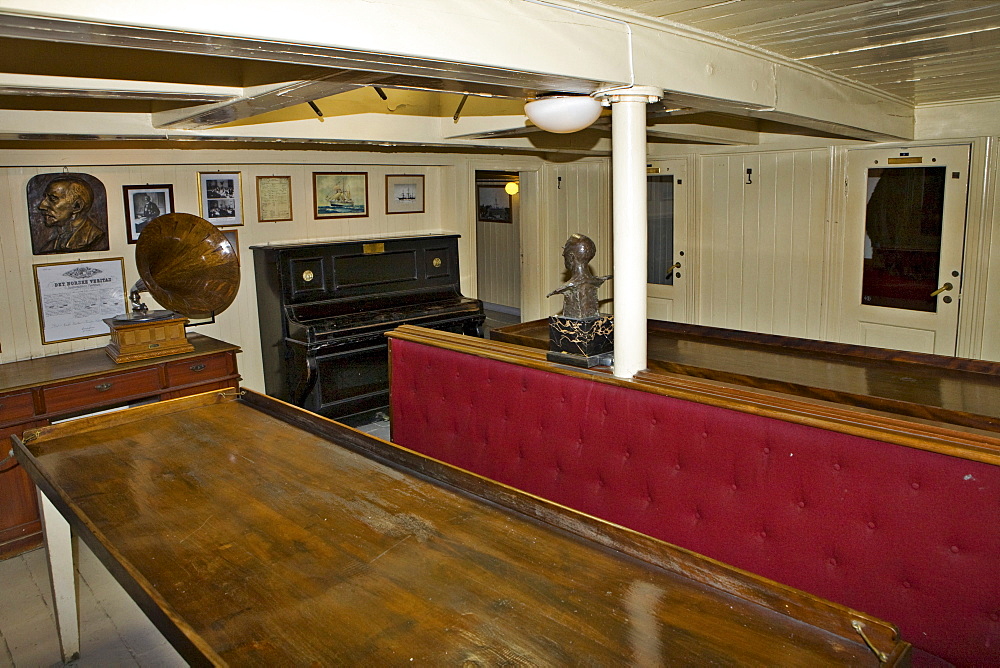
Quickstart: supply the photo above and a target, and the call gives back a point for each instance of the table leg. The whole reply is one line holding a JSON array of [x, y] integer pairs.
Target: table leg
[[61, 547]]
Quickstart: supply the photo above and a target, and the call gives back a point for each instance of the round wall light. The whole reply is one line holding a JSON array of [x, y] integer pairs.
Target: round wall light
[[563, 113], [511, 188]]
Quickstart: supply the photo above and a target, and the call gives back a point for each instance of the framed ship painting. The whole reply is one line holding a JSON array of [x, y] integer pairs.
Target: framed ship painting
[[404, 193], [340, 195]]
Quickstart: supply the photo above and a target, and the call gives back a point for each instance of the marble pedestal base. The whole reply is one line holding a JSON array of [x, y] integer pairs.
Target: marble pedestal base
[[584, 342]]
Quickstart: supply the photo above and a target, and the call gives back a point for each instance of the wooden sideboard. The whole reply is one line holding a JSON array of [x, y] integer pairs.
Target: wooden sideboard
[[34, 393]]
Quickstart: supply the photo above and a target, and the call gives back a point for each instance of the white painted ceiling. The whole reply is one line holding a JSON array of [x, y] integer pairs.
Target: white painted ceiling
[[924, 51], [920, 51]]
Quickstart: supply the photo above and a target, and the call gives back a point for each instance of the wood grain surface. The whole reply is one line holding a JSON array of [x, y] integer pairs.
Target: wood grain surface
[[250, 541], [932, 387]]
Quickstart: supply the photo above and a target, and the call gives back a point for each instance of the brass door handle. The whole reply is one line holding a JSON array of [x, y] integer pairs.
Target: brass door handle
[[675, 265], [943, 288]]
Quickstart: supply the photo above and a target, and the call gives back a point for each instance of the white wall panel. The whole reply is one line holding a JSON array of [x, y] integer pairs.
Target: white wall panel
[[498, 258], [20, 336], [579, 201], [761, 241]]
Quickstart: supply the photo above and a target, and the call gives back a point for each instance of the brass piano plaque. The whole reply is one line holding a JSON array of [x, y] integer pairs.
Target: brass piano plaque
[[436, 262], [915, 160], [372, 249], [307, 275]]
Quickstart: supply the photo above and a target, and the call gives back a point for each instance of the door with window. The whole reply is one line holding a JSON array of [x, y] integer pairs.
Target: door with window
[[905, 234], [666, 225]]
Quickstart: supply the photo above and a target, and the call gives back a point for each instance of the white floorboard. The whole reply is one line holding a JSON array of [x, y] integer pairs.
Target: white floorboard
[[113, 631]]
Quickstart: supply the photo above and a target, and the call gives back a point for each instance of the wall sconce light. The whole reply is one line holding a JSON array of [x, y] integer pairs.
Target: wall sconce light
[[512, 188], [562, 113]]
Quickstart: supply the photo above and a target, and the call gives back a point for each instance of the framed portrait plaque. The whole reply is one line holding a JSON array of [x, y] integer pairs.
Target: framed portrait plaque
[[221, 198], [74, 298]]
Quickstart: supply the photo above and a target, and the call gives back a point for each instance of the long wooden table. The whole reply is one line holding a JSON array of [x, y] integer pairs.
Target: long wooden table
[[39, 391], [951, 390], [255, 533]]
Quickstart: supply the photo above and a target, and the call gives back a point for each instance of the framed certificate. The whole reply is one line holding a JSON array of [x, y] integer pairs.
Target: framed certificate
[[274, 198], [74, 298]]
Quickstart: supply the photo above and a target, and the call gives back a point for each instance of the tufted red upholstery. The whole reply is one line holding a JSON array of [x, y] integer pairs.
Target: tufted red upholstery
[[907, 535]]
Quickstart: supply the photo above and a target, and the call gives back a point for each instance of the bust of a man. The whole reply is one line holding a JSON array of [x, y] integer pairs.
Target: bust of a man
[[65, 208], [580, 291]]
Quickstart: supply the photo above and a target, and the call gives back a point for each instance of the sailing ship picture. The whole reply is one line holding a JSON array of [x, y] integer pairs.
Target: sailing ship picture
[[404, 193], [340, 194]]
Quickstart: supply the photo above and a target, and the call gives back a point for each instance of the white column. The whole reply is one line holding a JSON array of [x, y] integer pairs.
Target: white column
[[628, 163]]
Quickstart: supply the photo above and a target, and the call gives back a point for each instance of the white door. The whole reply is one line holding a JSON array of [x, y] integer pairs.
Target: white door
[[666, 225], [905, 231]]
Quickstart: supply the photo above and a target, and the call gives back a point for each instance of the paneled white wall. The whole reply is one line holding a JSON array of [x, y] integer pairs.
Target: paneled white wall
[[498, 259], [446, 206], [762, 239], [578, 200]]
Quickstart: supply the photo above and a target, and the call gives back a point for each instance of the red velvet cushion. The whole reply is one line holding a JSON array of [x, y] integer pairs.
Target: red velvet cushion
[[906, 535]]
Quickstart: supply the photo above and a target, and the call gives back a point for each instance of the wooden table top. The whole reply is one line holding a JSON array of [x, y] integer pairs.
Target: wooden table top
[[932, 387], [93, 362], [253, 533]]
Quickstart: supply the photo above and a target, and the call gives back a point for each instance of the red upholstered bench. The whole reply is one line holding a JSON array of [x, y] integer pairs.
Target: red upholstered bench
[[904, 533]]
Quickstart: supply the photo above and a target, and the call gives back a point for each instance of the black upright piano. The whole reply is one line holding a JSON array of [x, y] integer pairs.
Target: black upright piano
[[324, 309]]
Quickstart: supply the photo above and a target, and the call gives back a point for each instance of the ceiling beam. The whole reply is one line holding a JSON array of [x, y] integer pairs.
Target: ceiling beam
[[57, 86], [254, 101]]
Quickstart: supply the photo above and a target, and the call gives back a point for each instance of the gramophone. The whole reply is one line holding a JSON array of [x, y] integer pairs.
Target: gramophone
[[190, 268]]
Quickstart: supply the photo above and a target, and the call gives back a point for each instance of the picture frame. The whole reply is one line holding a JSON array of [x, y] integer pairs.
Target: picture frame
[[274, 199], [74, 298], [233, 236], [143, 204], [67, 213], [221, 198], [340, 195], [404, 193], [493, 204]]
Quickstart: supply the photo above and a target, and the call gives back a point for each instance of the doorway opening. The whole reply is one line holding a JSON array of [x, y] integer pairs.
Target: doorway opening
[[498, 248]]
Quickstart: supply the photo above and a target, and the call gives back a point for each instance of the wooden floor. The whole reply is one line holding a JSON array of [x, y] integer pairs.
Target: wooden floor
[[114, 632]]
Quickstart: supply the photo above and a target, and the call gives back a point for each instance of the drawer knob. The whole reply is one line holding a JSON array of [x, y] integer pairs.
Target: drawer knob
[[103, 387], [197, 367]]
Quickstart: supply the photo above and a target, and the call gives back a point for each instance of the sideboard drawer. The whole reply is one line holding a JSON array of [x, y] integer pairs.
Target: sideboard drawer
[[198, 370], [16, 407], [100, 391]]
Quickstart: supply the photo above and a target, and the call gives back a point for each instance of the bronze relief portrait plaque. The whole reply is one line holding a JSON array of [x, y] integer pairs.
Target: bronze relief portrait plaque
[[67, 213]]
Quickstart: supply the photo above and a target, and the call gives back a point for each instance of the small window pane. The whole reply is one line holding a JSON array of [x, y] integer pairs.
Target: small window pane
[[660, 228], [903, 237]]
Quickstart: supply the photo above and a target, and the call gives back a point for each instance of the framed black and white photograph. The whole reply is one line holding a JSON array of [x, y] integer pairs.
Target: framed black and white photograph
[[74, 298], [493, 204], [221, 198], [404, 193], [233, 237], [340, 194], [143, 204]]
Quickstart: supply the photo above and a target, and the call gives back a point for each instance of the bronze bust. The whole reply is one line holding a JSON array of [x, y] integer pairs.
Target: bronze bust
[[580, 291]]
